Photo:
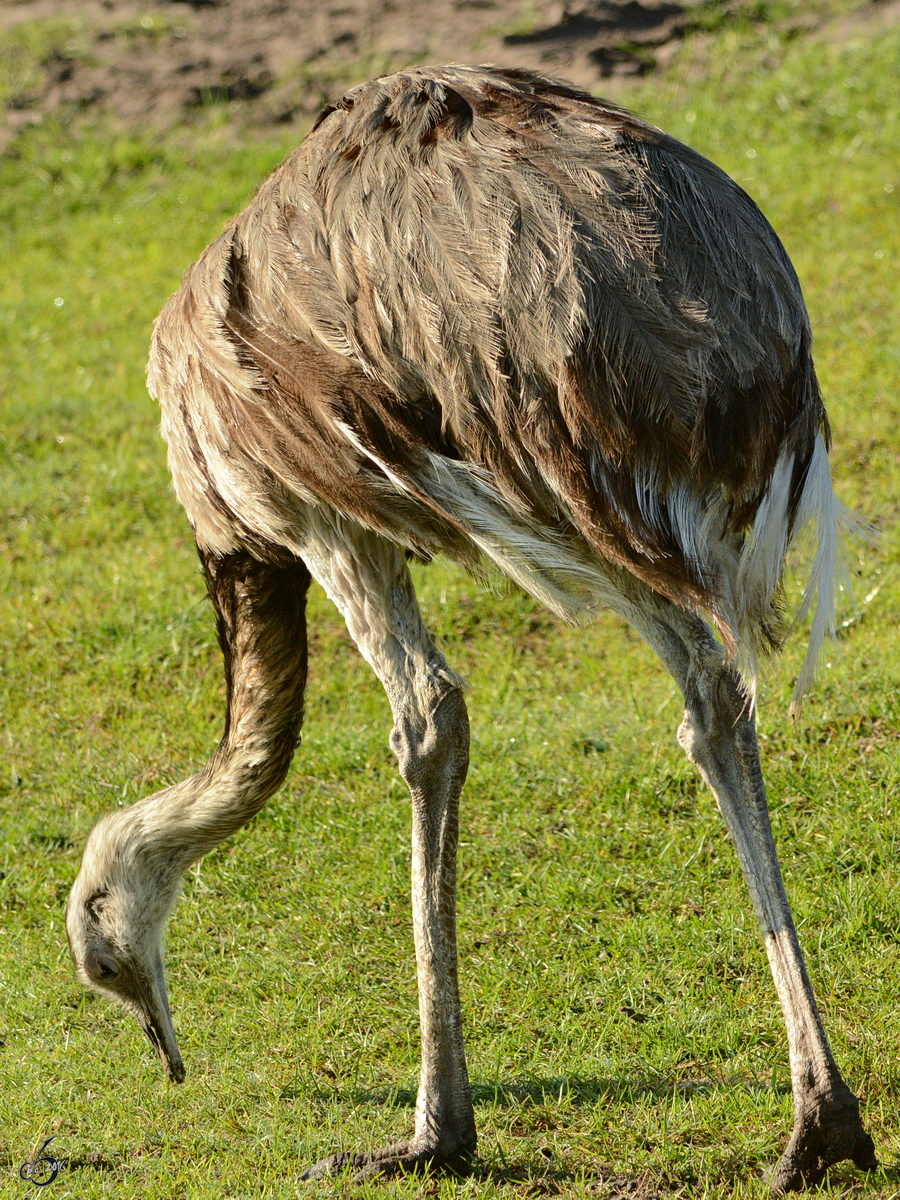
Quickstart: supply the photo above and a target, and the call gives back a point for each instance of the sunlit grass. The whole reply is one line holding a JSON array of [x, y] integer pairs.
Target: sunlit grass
[[620, 1018]]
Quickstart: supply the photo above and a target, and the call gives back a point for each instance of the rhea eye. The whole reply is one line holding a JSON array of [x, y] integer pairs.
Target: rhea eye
[[104, 968]]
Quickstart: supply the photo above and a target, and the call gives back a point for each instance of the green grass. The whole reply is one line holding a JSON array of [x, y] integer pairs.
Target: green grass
[[27, 47], [620, 1019]]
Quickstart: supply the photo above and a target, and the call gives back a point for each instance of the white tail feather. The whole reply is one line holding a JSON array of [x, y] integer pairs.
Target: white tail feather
[[821, 521], [829, 523], [759, 570]]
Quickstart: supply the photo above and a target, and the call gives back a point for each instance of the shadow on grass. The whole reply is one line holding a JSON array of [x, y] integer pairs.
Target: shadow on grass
[[546, 1174], [575, 1090], [543, 1172]]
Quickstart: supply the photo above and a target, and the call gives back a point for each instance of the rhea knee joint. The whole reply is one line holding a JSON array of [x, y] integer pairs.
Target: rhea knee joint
[[434, 738]]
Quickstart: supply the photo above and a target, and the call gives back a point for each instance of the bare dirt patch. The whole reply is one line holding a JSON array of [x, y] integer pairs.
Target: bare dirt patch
[[149, 64]]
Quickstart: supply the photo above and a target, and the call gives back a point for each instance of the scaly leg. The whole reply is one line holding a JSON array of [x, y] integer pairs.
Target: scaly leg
[[368, 580], [719, 736]]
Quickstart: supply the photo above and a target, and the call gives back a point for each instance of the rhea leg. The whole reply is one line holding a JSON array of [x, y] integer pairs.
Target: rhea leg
[[719, 736], [368, 580]]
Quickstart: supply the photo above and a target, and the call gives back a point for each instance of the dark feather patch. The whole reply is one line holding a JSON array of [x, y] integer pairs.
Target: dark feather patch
[[95, 904]]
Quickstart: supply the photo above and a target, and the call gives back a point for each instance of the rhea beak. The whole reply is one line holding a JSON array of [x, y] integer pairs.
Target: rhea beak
[[155, 1018]]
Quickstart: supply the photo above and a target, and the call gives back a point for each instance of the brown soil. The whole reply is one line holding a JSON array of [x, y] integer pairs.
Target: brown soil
[[151, 63]]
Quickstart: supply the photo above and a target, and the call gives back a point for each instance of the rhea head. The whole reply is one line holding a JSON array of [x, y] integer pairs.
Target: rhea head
[[115, 922]]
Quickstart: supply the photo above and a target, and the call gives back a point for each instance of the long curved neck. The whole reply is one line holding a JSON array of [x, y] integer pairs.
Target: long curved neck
[[184, 822], [262, 632]]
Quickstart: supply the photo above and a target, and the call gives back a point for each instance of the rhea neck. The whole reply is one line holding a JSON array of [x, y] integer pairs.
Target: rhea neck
[[263, 635], [182, 823]]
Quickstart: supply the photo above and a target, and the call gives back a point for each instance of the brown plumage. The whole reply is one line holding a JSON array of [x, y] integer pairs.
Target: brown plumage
[[485, 308], [481, 314]]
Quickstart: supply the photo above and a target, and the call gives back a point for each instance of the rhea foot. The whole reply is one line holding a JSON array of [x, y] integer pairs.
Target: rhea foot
[[825, 1132], [400, 1159]]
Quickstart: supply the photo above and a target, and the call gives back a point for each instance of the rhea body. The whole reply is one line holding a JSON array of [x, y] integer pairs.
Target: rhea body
[[481, 314]]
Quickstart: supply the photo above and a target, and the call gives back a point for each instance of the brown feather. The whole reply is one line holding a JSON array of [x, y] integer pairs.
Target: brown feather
[[482, 284]]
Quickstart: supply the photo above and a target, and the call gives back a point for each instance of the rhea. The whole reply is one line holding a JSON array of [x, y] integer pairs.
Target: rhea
[[481, 314]]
